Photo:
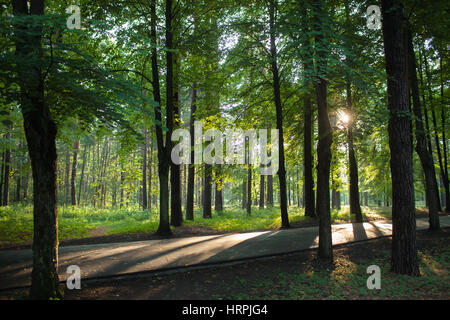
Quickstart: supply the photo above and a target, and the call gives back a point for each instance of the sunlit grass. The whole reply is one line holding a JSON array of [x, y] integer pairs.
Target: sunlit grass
[[16, 221]]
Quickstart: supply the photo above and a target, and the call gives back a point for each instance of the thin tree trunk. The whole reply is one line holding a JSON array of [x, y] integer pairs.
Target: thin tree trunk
[[74, 173], [144, 172], [421, 146], [83, 167], [279, 115], [207, 209], [6, 173], [261, 191]]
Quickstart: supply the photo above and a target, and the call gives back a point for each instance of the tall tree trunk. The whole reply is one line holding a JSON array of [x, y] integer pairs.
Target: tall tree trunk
[[249, 190], [427, 126], [261, 191], [218, 205], [421, 144], [176, 213], [270, 191], [325, 138], [404, 251], [191, 170], [74, 173], [144, 172], [207, 209], [444, 142], [7, 172], [279, 115], [83, 167], [244, 194], [67, 178], [307, 120], [436, 137], [40, 132], [2, 176], [355, 207], [164, 150]]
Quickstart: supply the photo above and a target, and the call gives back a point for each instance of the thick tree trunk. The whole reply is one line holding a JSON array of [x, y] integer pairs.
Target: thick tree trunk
[[40, 132], [270, 191], [421, 145], [404, 251], [279, 116]]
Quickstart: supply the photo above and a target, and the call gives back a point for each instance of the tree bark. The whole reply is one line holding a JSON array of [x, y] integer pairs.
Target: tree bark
[[421, 144], [74, 173], [6, 173], [404, 251], [325, 139], [40, 132], [207, 209], [261, 191], [279, 116], [191, 171]]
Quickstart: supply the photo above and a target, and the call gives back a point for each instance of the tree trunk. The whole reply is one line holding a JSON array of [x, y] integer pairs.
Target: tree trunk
[[421, 144], [74, 173], [244, 194], [207, 209], [40, 132], [437, 143], [191, 170], [270, 191], [325, 140], [444, 142], [404, 250], [144, 172], [279, 116], [249, 190], [218, 205], [6, 173], [261, 191]]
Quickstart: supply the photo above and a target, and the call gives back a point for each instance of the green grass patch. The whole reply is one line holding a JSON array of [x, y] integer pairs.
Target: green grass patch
[[16, 221]]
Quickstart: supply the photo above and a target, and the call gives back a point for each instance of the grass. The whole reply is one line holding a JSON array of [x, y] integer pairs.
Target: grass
[[16, 221]]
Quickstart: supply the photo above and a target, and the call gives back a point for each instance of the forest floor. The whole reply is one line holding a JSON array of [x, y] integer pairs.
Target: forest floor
[[86, 225], [291, 276]]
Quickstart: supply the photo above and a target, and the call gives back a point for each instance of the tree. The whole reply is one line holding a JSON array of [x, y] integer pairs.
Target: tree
[[421, 144], [404, 251], [325, 137]]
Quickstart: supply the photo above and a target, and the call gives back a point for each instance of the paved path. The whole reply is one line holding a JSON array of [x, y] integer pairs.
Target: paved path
[[100, 260]]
